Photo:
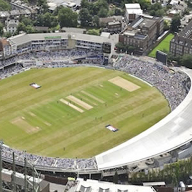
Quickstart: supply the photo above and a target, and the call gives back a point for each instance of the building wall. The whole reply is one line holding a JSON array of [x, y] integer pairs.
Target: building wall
[[180, 47], [140, 44], [114, 27], [150, 34]]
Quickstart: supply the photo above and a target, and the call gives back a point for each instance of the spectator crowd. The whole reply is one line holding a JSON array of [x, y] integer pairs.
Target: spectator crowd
[[40, 161], [47, 58], [173, 84]]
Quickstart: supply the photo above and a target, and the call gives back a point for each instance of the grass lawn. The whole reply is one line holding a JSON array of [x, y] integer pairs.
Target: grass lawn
[[36, 120], [164, 45]]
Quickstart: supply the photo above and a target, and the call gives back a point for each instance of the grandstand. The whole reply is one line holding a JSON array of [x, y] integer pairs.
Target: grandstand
[[110, 159], [173, 83]]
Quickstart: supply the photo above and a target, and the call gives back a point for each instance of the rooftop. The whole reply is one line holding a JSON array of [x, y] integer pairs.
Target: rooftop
[[73, 30], [176, 125], [143, 22], [132, 6], [95, 186], [187, 31], [27, 38]]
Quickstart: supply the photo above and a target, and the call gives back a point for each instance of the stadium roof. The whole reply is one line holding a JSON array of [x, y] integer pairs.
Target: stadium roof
[[27, 38], [170, 133]]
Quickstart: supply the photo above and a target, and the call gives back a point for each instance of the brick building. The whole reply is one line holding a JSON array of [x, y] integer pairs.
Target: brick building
[[142, 33], [182, 42]]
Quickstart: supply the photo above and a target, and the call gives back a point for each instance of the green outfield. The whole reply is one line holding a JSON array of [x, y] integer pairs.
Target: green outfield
[[163, 46], [67, 116]]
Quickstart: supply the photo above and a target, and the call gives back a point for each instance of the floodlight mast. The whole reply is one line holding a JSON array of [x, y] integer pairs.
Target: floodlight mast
[[13, 174], [35, 174], [1, 183]]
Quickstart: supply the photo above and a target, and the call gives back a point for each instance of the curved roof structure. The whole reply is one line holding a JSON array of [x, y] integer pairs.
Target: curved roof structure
[[170, 133]]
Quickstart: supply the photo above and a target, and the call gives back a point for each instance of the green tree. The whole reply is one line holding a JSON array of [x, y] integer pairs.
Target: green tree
[[130, 49], [120, 47], [7, 34], [4, 6], [47, 20], [166, 25], [42, 4], [1, 29], [156, 10], [144, 4], [84, 4], [175, 24], [174, 180], [103, 12], [67, 18], [96, 21], [118, 11], [21, 27], [93, 32], [30, 29], [187, 61], [85, 17], [26, 21], [95, 7], [57, 9]]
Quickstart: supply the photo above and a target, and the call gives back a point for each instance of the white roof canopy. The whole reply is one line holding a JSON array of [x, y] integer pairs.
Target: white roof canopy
[[171, 132]]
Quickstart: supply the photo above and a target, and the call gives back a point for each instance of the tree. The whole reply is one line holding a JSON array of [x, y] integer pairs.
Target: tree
[[57, 9], [4, 6], [46, 20], [156, 10], [174, 180], [93, 32], [166, 25], [21, 27], [103, 12], [118, 11], [120, 47], [43, 6], [1, 29], [67, 18], [30, 29], [96, 21], [84, 4], [130, 49], [170, 57], [41, 2], [85, 17], [26, 21], [175, 24], [7, 34], [186, 61], [25, 28], [144, 4]]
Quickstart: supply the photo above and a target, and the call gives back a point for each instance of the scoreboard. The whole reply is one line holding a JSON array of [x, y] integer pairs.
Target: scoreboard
[[161, 56]]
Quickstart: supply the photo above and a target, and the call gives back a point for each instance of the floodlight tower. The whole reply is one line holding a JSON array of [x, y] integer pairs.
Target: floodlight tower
[[35, 184], [1, 184]]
